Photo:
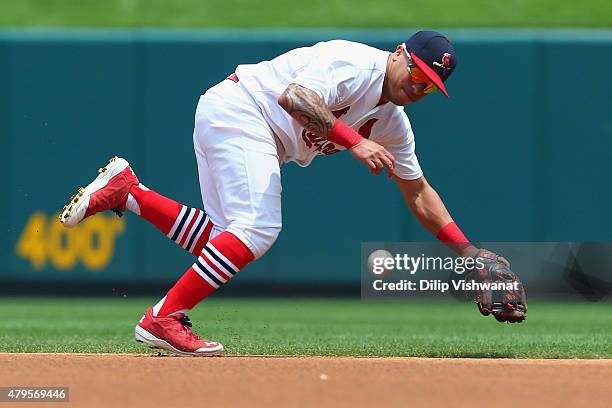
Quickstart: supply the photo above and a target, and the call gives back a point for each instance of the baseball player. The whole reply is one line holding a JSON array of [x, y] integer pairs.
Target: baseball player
[[311, 101]]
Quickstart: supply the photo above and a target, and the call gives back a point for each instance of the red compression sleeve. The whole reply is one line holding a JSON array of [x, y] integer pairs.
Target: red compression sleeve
[[343, 135], [452, 236]]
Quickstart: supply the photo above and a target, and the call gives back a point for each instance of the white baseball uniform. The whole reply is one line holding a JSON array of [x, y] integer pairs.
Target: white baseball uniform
[[242, 135]]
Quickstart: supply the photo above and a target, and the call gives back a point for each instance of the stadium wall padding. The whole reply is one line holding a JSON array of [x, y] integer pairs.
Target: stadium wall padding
[[520, 152]]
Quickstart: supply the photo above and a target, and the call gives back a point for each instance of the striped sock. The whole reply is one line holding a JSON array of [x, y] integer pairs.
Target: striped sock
[[220, 260], [188, 227]]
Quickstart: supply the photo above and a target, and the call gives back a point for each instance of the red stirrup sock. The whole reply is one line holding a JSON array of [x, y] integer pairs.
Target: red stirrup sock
[[188, 227], [220, 260]]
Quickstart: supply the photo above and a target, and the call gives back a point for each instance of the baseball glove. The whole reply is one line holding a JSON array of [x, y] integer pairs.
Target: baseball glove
[[505, 301]]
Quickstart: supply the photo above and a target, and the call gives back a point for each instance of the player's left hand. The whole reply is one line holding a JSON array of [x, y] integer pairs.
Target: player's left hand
[[375, 156], [508, 305]]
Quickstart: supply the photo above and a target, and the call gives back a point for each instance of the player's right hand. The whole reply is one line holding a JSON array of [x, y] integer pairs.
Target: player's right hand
[[373, 155]]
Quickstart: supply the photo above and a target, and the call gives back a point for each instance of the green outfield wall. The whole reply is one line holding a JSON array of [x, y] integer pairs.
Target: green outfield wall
[[520, 152]]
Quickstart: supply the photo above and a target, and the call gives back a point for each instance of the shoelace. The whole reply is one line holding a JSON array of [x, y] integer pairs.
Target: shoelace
[[186, 323]]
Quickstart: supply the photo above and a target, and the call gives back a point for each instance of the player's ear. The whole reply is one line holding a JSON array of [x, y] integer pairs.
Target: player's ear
[[398, 52]]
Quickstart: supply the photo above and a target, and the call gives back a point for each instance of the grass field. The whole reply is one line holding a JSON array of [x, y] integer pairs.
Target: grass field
[[316, 327], [315, 13]]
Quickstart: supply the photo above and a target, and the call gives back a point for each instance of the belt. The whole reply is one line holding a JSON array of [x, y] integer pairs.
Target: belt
[[233, 78]]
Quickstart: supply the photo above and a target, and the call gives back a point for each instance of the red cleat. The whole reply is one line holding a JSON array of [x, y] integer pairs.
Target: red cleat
[[109, 191], [173, 334]]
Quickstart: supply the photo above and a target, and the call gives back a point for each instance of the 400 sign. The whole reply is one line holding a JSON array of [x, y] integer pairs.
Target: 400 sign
[[92, 242]]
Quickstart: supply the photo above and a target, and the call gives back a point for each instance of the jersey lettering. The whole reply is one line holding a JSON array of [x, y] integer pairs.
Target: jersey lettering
[[340, 112], [366, 129], [324, 146]]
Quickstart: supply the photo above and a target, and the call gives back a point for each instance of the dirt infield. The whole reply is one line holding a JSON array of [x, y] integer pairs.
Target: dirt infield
[[107, 380]]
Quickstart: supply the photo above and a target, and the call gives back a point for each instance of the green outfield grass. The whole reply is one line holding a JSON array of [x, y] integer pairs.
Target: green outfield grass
[[317, 327], [316, 13]]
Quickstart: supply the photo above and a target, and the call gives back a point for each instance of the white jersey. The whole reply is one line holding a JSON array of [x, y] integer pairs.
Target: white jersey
[[348, 76]]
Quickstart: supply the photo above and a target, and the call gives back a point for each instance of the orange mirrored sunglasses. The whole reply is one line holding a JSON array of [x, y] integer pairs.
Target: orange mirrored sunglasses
[[418, 76]]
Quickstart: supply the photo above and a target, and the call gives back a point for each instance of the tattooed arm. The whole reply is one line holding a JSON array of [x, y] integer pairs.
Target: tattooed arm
[[310, 111]]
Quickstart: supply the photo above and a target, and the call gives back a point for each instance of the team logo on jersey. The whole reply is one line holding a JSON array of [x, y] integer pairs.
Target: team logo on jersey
[[446, 61]]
